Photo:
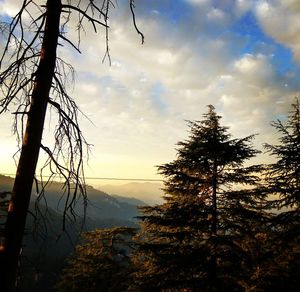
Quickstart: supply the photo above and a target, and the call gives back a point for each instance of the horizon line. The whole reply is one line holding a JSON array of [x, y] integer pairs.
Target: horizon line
[[104, 178]]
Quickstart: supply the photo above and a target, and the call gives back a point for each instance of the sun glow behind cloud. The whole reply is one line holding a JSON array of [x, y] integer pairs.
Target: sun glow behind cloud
[[241, 56]]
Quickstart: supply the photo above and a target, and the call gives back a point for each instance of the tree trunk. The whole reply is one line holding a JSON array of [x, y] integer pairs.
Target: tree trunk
[[214, 202], [19, 204], [213, 268]]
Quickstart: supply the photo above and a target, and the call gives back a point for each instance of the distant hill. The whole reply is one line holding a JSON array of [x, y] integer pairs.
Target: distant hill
[[101, 206], [45, 246], [131, 201], [148, 192]]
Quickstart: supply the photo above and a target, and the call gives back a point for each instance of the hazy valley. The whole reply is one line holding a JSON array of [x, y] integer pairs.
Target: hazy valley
[[46, 245]]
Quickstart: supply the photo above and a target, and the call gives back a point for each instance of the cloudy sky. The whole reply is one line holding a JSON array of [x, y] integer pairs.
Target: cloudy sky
[[242, 56]]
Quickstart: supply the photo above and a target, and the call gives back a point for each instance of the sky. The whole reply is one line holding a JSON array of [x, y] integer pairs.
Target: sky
[[242, 56]]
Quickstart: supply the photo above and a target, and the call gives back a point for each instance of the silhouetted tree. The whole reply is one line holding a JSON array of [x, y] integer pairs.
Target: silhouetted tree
[[283, 182], [101, 263], [201, 238], [284, 174], [33, 77]]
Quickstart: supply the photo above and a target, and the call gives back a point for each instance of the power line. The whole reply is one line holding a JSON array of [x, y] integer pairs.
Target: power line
[[117, 178], [107, 178]]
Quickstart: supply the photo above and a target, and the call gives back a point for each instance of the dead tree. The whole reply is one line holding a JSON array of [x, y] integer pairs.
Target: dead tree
[[32, 78]]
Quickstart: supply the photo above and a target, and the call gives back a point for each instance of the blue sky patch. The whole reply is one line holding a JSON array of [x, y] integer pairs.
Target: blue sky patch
[[255, 40], [157, 92]]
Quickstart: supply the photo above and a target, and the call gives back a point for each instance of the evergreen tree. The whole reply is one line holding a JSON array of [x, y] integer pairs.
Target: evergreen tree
[[101, 263], [201, 238], [283, 181], [284, 174]]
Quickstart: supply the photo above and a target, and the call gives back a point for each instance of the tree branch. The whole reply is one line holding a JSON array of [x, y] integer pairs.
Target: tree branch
[[91, 19], [132, 7]]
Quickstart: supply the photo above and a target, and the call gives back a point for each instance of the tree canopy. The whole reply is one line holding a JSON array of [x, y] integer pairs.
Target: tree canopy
[[101, 262], [199, 236], [216, 230], [284, 174], [283, 186]]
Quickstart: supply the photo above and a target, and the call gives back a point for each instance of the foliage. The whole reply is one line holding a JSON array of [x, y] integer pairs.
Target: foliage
[[101, 263], [215, 231], [284, 174], [283, 183], [201, 237]]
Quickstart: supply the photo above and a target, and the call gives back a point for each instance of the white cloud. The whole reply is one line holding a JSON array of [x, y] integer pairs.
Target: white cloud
[[9, 8], [216, 14], [281, 20], [198, 2], [242, 6], [255, 69], [139, 104], [195, 68]]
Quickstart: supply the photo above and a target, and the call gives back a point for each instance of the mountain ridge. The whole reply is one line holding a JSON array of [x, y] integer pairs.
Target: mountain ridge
[[149, 192]]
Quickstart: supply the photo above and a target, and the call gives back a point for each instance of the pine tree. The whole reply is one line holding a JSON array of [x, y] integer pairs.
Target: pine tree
[[101, 263], [284, 174], [283, 181], [200, 238]]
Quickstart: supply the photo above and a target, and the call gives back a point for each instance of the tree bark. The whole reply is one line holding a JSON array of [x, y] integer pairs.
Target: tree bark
[[19, 204], [214, 201], [213, 271]]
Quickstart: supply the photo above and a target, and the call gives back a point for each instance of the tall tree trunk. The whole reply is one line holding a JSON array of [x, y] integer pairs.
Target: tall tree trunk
[[19, 204], [214, 202], [213, 268]]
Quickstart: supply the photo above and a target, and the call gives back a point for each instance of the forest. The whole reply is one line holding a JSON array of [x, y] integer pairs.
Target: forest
[[224, 225]]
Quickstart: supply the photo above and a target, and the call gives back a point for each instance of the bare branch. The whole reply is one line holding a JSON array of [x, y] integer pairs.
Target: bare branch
[[91, 19], [107, 53], [69, 42], [31, 72], [132, 6]]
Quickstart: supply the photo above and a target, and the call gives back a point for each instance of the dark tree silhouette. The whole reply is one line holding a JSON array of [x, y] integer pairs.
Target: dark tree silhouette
[[200, 238], [33, 78], [284, 174], [283, 183]]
